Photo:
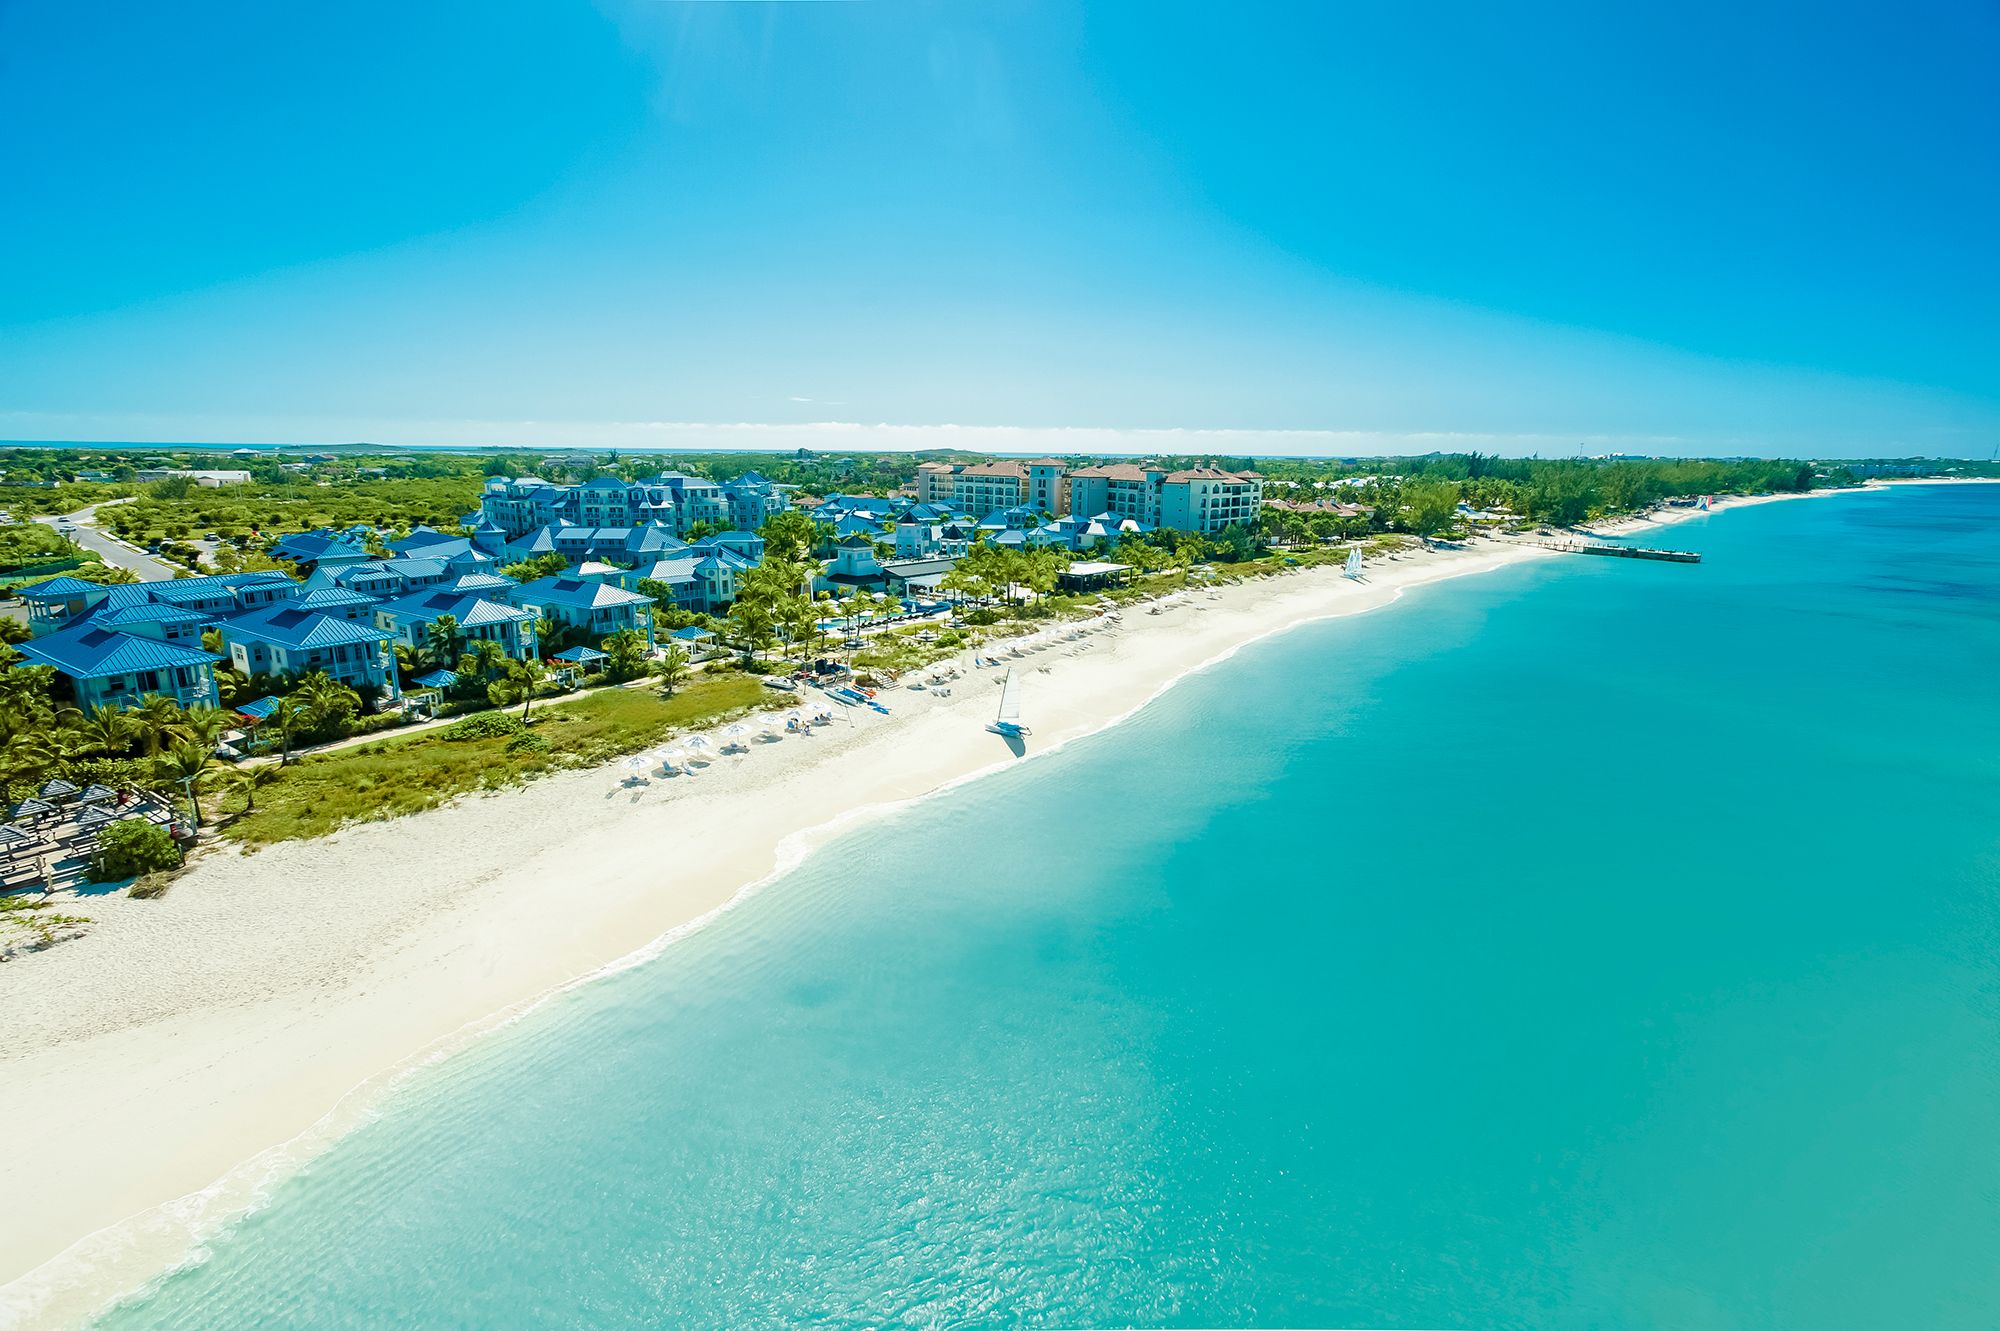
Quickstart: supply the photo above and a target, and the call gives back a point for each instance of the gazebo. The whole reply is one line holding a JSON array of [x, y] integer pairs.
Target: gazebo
[[587, 659]]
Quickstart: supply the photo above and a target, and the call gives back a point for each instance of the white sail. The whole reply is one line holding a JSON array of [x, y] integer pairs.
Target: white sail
[[1010, 701], [1353, 569]]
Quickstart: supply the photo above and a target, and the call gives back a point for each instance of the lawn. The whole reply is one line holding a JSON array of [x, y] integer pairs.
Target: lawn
[[398, 775]]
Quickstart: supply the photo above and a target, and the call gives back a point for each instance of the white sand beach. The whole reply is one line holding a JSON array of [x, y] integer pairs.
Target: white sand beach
[[189, 1051]]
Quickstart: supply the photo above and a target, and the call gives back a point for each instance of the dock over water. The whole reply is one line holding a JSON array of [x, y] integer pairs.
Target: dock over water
[[1624, 551]]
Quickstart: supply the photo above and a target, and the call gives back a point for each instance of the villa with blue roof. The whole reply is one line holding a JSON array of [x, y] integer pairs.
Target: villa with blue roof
[[283, 640], [594, 609], [60, 602], [703, 577], [312, 550], [115, 668], [408, 619]]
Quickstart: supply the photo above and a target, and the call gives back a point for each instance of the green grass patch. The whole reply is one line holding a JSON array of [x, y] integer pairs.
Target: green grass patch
[[392, 777]]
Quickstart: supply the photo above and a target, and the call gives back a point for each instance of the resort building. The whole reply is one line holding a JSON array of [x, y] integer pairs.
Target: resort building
[[1199, 499], [60, 602], [983, 488], [311, 550], [920, 538], [114, 668], [854, 568], [1209, 500], [408, 620], [284, 640], [593, 609], [515, 507], [703, 578]]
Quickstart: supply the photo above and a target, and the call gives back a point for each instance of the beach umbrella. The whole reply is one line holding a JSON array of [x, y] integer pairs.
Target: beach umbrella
[[97, 794]]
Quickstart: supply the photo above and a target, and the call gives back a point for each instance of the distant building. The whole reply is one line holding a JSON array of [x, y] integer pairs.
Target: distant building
[[515, 507], [203, 478], [1198, 499]]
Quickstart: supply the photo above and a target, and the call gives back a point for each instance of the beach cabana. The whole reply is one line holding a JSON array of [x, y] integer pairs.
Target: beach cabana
[[586, 659], [437, 679], [696, 642], [97, 793], [259, 711], [1092, 575], [57, 790], [38, 810], [14, 840]]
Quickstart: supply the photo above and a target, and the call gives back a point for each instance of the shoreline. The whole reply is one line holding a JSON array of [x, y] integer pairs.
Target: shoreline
[[273, 999]]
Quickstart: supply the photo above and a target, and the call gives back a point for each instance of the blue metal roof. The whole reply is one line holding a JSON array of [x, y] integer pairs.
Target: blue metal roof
[[437, 679], [258, 711], [60, 589], [146, 614], [691, 634], [330, 598], [287, 626], [575, 593], [470, 611], [312, 546], [86, 651], [581, 655], [416, 567], [477, 582]]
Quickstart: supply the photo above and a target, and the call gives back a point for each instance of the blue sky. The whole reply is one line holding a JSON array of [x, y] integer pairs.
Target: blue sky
[[1129, 227]]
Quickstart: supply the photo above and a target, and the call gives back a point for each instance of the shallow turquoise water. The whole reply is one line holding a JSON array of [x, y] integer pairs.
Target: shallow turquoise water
[[1595, 944]]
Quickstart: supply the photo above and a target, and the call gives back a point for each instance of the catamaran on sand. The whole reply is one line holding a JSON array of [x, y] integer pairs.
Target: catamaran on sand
[[1008, 722]]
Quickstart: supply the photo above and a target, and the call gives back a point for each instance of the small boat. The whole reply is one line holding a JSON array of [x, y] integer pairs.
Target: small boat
[[1008, 722], [1353, 569]]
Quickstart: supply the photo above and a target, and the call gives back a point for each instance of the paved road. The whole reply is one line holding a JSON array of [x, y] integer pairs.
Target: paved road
[[112, 551]]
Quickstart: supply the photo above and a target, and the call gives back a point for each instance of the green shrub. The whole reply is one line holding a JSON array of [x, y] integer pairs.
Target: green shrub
[[127, 849], [525, 743], [482, 725]]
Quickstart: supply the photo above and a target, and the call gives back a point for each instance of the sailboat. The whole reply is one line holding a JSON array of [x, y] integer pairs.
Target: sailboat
[[1008, 722], [1353, 569]]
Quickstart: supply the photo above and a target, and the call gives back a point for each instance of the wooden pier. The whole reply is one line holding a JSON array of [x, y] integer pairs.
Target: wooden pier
[[1626, 551]]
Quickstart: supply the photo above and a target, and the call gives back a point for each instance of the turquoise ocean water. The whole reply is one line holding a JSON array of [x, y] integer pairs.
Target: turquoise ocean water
[[1591, 945]]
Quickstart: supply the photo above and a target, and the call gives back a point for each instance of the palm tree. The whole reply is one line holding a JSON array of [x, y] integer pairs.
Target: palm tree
[[156, 718], [247, 781], [328, 698], [444, 638], [551, 635], [488, 658], [290, 716], [528, 674], [108, 730], [413, 661], [672, 668], [202, 725], [185, 765]]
